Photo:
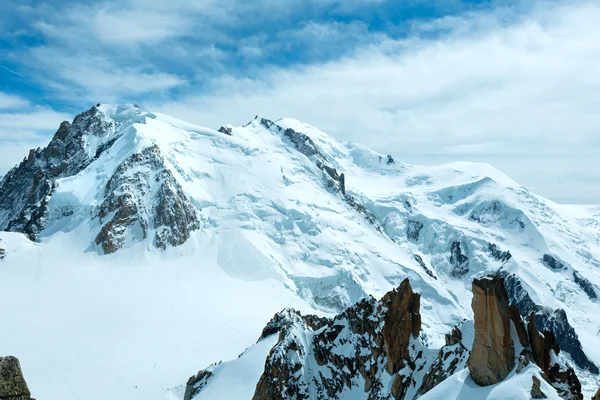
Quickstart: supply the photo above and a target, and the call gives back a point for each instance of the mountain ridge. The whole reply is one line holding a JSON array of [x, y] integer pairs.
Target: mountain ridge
[[326, 222]]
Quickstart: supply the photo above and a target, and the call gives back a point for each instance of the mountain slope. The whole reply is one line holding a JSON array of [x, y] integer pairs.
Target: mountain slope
[[157, 228]]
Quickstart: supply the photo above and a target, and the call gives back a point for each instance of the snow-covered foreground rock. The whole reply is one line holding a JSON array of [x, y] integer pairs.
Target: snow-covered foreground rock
[[139, 248], [373, 350]]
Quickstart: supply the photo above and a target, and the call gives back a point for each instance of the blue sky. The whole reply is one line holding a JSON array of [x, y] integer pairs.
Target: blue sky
[[511, 83]]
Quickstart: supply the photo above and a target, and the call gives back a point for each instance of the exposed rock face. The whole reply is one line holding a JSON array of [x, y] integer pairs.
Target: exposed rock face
[[402, 322], [195, 384], [502, 256], [597, 395], [451, 358], [536, 390], [493, 354], [553, 263], [143, 195], [419, 259], [459, 261], [548, 320], [226, 130], [12, 383], [26, 189], [541, 345], [517, 320], [566, 383], [413, 230], [355, 348], [585, 284]]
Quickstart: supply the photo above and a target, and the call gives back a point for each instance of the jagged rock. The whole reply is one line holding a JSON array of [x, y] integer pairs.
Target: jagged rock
[[140, 181], [413, 230], [502, 256], [459, 261], [553, 263], [517, 320], [419, 259], [402, 321], [26, 189], [536, 390], [286, 318], [375, 336], [12, 382], [390, 160], [451, 358], [585, 284], [195, 384], [226, 130], [546, 319], [541, 345], [493, 354], [565, 382]]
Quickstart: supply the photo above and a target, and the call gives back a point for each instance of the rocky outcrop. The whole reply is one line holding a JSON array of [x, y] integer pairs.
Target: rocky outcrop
[[143, 196], [493, 353], [195, 384], [546, 319], [355, 348], [2, 252], [26, 189], [597, 395], [419, 259], [226, 130], [502, 256], [12, 382], [586, 285], [536, 390], [542, 345], [519, 325], [459, 261], [553, 263], [451, 359], [413, 230], [402, 322]]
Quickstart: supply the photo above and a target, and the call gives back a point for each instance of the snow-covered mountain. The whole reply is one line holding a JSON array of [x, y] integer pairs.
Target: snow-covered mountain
[[139, 248]]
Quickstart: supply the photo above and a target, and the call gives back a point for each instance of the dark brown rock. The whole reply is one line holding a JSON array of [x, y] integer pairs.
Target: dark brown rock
[[402, 321], [12, 382], [541, 345], [517, 320], [493, 354], [536, 390], [597, 395]]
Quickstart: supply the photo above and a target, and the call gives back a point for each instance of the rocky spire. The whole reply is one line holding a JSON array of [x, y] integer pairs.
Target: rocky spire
[[493, 354], [12, 383]]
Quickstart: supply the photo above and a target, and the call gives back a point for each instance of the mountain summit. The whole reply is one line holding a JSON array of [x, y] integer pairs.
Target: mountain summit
[[183, 241]]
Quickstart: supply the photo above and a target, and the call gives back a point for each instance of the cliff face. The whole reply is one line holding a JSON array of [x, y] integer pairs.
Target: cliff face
[[493, 354], [142, 196], [26, 189]]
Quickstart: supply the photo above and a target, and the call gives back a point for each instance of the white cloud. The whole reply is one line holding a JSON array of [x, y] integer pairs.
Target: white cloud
[[10, 101]]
